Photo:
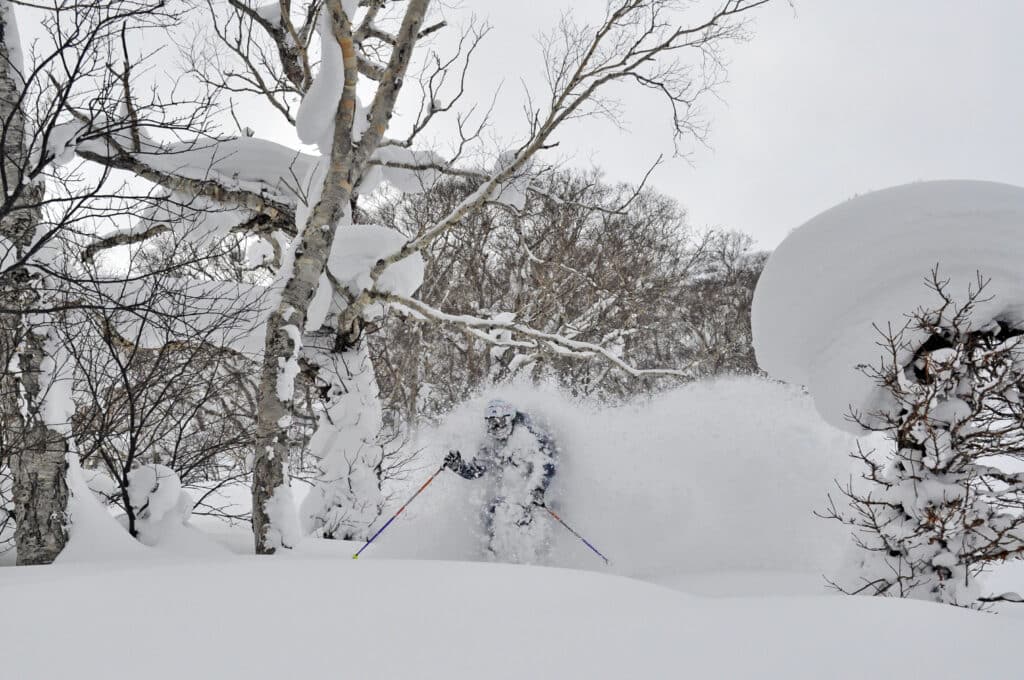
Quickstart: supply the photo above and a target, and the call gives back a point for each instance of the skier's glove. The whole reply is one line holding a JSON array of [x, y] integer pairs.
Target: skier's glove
[[453, 460], [538, 497]]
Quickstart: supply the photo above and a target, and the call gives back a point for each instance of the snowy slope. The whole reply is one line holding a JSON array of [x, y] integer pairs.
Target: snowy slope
[[407, 619], [864, 262]]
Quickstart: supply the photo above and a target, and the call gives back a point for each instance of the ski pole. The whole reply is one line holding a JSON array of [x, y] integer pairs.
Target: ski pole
[[395, 516], [574, 533]]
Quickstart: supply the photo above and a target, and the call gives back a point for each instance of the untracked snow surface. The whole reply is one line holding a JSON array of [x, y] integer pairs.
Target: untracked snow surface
[[865, 262], [273, 618]]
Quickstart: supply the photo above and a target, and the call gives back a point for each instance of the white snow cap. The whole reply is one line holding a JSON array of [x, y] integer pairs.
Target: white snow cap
[[865, 262]]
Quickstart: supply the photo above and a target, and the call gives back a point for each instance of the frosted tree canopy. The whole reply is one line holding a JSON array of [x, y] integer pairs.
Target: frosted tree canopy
[[865, 263]]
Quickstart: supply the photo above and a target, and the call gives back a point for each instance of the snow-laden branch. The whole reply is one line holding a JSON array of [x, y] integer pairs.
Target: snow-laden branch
[[483, 329], [245, 172]]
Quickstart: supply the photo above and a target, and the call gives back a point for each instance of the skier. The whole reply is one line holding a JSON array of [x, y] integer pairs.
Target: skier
[[517, 462]]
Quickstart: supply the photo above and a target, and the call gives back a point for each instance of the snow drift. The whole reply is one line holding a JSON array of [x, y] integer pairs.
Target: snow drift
[[865, 262], [721, 475], [343, 619]]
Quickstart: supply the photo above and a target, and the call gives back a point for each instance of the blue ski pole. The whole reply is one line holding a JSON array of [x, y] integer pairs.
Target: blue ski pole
[[574, 533], [395, 516]]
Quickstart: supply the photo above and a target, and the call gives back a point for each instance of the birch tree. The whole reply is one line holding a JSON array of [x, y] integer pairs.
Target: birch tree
[[45, 207], [334, 275]]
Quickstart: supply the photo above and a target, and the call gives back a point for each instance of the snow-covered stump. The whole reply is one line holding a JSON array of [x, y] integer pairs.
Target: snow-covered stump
[[942, 383]]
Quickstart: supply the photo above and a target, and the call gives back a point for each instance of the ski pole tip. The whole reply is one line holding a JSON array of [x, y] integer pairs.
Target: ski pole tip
[[356, 556]]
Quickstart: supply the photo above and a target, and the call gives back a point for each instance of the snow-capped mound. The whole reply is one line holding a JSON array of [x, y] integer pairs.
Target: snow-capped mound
[[864, 263]]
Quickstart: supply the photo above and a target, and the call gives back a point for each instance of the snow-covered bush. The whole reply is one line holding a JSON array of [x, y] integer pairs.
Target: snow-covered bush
[[942, 383], [157, 500], [933, 516]]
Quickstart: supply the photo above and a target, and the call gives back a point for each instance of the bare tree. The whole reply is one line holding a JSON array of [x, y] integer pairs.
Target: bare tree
[[612, 265]]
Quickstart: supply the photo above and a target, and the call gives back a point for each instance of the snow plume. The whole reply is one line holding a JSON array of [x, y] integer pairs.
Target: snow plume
[[721, 475], [346, 497]]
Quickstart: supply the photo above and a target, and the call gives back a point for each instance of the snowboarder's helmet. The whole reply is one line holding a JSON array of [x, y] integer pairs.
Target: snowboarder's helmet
[[500, 416]]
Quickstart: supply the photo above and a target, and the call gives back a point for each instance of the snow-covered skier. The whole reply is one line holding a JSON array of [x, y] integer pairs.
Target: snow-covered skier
[[517, 462]]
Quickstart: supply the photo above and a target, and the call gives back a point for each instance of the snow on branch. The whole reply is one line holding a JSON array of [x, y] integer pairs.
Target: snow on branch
[[246, 172], [483, 329]]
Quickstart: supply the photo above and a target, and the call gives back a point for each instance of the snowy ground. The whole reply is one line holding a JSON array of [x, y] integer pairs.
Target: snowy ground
[[414, 619], [715, 574]]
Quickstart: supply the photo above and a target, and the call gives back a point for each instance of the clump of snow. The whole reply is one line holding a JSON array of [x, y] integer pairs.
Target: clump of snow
[[358, 247], [721, 475], [153, 491], [314, 122], [283, 530], [408, 180], [101, 483], [242, 163], [864, 263], [162, 510], [196, 220], [288, 368], [63, 139], [513, 191], [270, 11], [56, 377], [258, 251]]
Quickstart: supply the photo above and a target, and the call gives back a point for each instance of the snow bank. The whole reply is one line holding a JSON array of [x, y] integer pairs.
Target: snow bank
[[443, 620], [719, 475], [864, 262], [95, 536]]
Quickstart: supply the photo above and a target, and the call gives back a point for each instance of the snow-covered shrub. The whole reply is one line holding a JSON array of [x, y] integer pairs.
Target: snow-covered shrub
[[932, 516], [157, 501]]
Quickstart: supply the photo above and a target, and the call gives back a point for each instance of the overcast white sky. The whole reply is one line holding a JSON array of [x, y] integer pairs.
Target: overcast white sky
[[831, 98]]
